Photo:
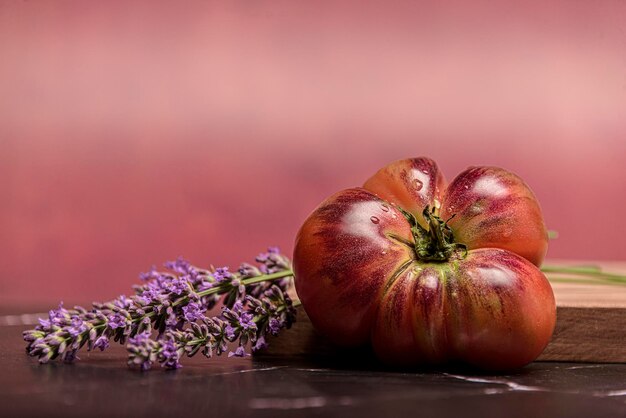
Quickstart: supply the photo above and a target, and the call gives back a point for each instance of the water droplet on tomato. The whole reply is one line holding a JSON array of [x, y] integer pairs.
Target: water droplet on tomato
[[385, 207], [425, 171], [417, 185], [507, 232], [476, 209], [383, 252], [374, 219]]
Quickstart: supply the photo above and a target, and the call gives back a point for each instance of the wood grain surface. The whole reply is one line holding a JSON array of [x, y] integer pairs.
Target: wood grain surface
[[591, 322]]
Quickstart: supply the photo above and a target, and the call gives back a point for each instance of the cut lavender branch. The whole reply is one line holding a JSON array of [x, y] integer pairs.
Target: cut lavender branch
[[249, 321], [169, 303]]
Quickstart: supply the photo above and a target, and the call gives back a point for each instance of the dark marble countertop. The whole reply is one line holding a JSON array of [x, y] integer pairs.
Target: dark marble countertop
[[101, 385]]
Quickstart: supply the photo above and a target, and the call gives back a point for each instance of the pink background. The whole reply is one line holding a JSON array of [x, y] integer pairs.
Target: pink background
[[134, 132]]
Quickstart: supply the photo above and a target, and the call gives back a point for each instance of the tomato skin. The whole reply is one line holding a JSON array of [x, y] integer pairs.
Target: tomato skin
[[343, 260], [411, 184], [492, 207], [492, 309], [361, 281]]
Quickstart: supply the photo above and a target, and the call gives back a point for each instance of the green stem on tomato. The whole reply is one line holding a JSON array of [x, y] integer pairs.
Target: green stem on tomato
[[437, 242]]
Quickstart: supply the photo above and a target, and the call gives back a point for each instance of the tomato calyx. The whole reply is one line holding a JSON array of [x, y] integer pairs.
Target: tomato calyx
[[437, 242]]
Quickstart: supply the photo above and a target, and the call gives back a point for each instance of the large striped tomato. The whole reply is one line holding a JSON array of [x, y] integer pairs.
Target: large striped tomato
[[430, 272]]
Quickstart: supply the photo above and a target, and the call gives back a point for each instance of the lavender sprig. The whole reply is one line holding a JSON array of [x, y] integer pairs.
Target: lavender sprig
[[250, 322], [173, 305]]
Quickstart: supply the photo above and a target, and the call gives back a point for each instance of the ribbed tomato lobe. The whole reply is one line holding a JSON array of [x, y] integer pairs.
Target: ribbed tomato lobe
[[390, 265], [346, 252]]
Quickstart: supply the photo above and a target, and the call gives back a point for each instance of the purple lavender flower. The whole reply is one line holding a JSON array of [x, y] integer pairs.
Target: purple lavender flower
[[265, 256], [193, 311], [144, 299], [241, 324], [229, 332], [180, 265], [117, 320], [169, 355], [260, 344], [173, 321], [246, 321], [178, 286], [173, 304], [274, 326], [156, 286], [45, 323], [217, 328], [273, 261], [123, 302], [139, 339], [70, 356], [58, 316], [152, 274], [77, 326], [204, 284], [142, 351], [239, 352], [102, 342], [151, 295], [237, 307], [221, 274], [248, 270]]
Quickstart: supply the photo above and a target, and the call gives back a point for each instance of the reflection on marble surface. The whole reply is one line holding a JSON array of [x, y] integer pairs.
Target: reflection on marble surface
[[100, 385]]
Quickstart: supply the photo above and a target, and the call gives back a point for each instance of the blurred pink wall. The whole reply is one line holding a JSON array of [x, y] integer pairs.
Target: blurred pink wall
[[134, 132]]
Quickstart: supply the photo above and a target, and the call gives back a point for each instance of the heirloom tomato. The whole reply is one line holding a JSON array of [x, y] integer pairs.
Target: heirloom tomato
[[430, 272]]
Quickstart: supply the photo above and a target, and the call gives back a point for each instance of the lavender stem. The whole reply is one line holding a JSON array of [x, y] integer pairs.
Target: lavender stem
[[174, 303]]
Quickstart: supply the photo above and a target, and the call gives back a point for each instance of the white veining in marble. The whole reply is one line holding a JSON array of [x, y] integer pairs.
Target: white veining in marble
[[314, 370], [299, 403], [610, 393], [509, 384], [265, 369], [287, 403], [588, 366]]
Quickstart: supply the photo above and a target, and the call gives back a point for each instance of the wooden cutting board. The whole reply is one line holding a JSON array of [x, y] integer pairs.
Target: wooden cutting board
[[591, 323]]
